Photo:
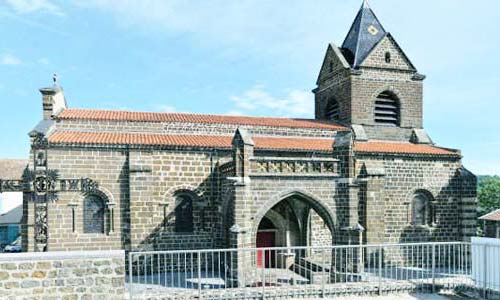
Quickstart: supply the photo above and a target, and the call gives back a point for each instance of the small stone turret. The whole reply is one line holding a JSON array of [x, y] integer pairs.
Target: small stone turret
[[53, 100], [243, 148]]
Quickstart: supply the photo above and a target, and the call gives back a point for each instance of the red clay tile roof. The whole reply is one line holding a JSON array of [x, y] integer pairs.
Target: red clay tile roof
[[403, 148], [210, 141], [86, 114], [492, 216], [109, 138], [69, 137]]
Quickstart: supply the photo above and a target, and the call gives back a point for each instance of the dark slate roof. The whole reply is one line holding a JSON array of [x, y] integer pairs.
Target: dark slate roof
[[463, 172], [12, 168], [42, 127], [365, 33], [13, 216]]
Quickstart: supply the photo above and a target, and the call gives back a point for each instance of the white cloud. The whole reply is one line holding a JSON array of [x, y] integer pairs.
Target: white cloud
[[32, 6], [10, 60], [296, 103]]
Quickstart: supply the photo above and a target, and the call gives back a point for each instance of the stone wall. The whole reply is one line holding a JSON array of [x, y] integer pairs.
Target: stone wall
[[320, 234], [397, 59], [105, 166], [141, 184], [152, 198], [366, 87], [403, 177], [63, 275], [356, 93], [333, 84]]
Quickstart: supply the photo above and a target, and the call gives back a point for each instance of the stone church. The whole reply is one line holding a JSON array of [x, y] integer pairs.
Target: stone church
[[363, 168]]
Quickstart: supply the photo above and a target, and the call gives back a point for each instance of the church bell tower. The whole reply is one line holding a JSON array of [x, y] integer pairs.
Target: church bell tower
[[369, 81]]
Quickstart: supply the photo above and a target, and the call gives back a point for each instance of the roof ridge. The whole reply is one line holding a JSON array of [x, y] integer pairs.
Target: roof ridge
[[390, 36], [194, 114], [362, 16], [352, 27], [374, 47]]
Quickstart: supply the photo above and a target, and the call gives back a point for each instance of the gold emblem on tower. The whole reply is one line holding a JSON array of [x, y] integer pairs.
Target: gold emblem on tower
[[372, 30]]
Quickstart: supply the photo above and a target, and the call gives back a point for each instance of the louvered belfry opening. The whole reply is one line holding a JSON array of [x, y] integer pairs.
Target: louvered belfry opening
[[333, 110], [387, 109]]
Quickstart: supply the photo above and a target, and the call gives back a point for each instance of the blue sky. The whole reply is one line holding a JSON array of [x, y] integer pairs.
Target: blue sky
[[250, 57]]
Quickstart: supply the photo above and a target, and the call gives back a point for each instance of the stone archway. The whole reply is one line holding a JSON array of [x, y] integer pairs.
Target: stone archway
[[286, 222], [295, 209]]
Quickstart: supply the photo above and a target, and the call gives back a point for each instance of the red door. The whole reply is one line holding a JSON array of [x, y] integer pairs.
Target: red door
[[265, 239]]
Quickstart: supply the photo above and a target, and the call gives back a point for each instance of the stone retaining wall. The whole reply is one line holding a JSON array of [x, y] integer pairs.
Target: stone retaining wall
[[89, 275]]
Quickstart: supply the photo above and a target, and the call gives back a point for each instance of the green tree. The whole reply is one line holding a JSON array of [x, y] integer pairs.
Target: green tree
[[489, 194]]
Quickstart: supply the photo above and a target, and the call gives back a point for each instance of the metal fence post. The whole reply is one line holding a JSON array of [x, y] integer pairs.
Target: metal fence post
[[485, 271], [199, 275], [130, 277], [380, 271], [263, 274], [433, 268], [323, 275]]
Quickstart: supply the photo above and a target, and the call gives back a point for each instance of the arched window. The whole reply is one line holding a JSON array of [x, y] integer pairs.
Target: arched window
[[94, 214], [332, 110], [387, 109], [183, 212], [421, 210], [388, 57]]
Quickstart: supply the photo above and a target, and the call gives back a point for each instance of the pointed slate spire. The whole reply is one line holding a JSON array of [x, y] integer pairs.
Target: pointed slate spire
[[365, 33]]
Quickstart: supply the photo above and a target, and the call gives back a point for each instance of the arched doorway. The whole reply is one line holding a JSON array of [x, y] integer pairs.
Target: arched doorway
[[294, 222]]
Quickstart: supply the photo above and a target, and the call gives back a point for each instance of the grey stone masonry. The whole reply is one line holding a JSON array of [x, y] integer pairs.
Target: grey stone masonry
[[88, 275]]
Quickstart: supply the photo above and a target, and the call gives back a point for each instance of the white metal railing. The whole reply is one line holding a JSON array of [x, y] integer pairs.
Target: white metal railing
[[485, 255], [260, 273]]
